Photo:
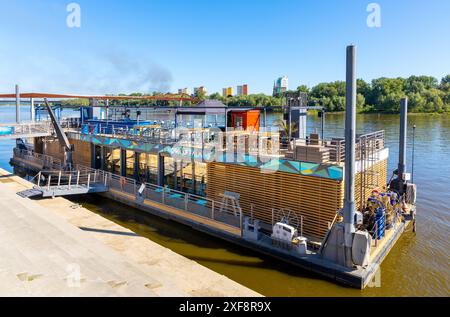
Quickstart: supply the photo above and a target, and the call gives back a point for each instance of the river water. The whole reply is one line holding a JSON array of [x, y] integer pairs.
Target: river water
[[417, 266]]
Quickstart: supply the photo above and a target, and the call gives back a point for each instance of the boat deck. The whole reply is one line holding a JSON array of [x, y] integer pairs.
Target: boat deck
[[179, 214]]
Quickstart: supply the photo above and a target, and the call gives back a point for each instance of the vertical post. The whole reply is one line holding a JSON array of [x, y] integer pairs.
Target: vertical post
[[106, 111], [161, 171], [176, 123], [350, 136], [70, 180], [175, 174], [265, 117], [403, 140], [59, 179], [413, 153], [32, 110], [78, 178], [194, 178], [322, 125], [102, 158], [39, 179], [123, 162], [49, 181], [136, 166], [93, 155], [290, 123], [89, 180], [17, 104], [226, 120]]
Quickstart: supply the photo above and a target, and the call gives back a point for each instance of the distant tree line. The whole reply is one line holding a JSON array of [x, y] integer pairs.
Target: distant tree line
[[425, 94], [382, 95]]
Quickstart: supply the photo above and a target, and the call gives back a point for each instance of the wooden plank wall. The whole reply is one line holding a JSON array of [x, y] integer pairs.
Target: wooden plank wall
[[82, 154], [316, 199], [53, 148]]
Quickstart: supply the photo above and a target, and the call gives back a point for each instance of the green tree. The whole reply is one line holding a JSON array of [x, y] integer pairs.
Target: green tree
[[303, 88], [419, 84], [386, 94], [445, 80]]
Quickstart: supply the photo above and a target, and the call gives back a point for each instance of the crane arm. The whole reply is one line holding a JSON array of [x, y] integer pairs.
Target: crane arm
[[59, 131]]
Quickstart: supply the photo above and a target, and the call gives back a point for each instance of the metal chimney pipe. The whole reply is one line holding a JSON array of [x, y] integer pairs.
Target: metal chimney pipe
[[17, 104], [403, 141], [350, 137]]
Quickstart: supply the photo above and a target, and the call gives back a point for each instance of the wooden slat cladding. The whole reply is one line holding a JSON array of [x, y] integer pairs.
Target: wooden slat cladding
[[53, 148], [82, 154], [316, 199], [375, 177]]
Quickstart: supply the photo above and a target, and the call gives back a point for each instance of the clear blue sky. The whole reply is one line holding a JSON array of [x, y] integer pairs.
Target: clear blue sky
[[140, 45]]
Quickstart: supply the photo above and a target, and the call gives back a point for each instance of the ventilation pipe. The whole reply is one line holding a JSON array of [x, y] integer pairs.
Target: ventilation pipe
[[350, 136]]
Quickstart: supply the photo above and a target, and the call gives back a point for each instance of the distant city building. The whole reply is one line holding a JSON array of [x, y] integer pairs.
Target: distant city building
[[281, 85], [227, 92], [200, 90], [242, 90], [185, 91]]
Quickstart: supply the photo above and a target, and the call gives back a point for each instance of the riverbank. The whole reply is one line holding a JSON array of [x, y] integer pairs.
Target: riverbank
[[48, 246]]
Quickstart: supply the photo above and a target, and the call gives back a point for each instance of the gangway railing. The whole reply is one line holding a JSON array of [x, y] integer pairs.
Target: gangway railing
[[87, 177], [44, 162], [69, 179], [34, 129], [17, 131]]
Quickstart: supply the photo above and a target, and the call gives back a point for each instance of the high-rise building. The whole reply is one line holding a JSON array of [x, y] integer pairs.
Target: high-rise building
[[185, 91], [242, 90], [280, 86], [227, 92], [200, 90]]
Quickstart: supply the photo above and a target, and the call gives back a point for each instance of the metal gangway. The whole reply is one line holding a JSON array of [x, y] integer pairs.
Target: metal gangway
[[25, 130], [67, 183], [34, 129]]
